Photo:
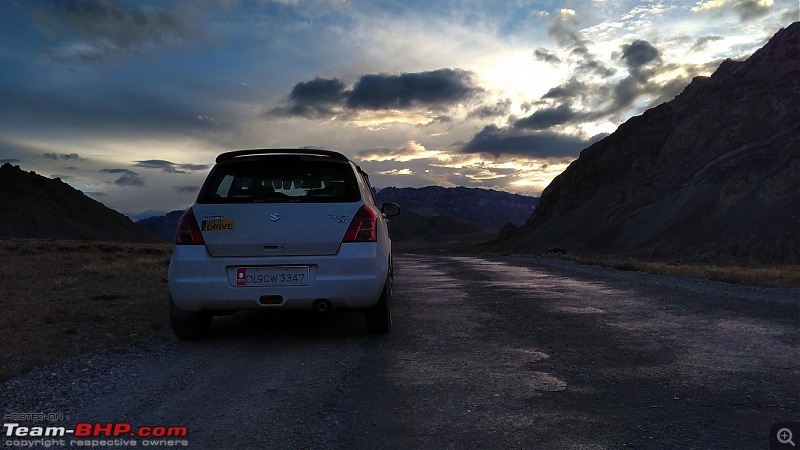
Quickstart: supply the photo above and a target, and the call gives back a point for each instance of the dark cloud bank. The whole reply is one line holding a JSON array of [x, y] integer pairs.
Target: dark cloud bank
[[127, 177], [170, 167], [63, 156], [589, 95], [498, 141], [102, 29], [435, 90]]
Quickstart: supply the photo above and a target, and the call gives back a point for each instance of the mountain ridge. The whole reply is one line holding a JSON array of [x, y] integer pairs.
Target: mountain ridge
[[43, 208], [711, 175]]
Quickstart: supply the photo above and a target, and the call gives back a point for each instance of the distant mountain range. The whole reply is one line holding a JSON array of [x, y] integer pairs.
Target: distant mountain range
[[34, 206], [431, 216], [435, 216], [712, 175], [165, 226]]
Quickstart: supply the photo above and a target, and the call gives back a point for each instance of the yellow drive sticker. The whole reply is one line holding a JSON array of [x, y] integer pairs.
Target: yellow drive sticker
[[217, 225]]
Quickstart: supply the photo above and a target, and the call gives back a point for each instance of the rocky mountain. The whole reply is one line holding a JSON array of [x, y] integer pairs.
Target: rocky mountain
[[164, 226], [34, 206], [713, 175]]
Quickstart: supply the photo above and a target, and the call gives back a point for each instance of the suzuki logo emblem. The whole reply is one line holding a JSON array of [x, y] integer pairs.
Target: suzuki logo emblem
[[274, 217]]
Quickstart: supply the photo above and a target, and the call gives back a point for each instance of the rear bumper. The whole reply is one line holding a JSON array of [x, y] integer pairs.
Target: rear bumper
[[351, 279]]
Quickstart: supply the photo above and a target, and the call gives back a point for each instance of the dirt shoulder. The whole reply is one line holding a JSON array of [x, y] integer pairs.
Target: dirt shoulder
[[62, 299]]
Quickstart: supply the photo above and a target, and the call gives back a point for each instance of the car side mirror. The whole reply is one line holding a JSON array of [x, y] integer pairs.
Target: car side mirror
[[390, 209]]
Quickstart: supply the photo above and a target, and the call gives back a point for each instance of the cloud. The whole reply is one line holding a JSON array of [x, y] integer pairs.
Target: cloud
[[542, 54], [65, 156], [479, 175], [170, 167], [545, 144], [123, 112], [593, 66], [565, 30], [640, 57], [435, 88], [569, 90], [701, 43], [567, 34], [581, 99], [432, 90], [639, 53], [500, 109], [752, 9], [102, 29], [186, 189], [405, 171], [63, 177], [127, 177], [546, 118], [640, 84], [409, 152], [316, 97], [746, 9]]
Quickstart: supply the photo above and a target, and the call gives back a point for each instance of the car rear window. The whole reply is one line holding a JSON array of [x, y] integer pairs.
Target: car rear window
[[281, 180]]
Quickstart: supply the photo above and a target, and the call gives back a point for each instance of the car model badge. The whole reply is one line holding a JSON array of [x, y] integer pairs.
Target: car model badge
[[274, 217]]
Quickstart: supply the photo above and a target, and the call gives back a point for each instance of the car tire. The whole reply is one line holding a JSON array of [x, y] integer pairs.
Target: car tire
[[379, 317], [188, 325]]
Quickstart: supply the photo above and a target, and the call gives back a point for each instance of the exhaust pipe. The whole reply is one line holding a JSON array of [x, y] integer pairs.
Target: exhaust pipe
[[321, 306]]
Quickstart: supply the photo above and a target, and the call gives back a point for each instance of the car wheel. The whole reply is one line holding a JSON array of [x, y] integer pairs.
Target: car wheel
[[188, 325], [379, 317]]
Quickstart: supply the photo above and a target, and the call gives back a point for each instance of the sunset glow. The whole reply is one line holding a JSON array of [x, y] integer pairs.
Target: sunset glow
[[130, 101]]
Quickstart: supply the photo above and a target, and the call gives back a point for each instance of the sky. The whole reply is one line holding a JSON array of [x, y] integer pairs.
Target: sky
[[131, 101]]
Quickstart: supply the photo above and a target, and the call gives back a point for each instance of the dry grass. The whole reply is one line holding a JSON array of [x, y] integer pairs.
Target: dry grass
[[751, 275], [61, 299]]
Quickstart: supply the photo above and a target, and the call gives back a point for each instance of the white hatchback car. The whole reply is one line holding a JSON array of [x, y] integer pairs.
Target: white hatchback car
[[281, 229]]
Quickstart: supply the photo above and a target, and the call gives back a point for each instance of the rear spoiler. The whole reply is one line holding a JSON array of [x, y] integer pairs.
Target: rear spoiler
[[227, 156]]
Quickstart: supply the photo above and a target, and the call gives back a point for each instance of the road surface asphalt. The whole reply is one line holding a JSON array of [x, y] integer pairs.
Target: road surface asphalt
[[488, 352]]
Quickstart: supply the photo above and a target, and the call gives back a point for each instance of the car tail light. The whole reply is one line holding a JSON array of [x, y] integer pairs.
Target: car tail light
[[188, 231], [363, 227]]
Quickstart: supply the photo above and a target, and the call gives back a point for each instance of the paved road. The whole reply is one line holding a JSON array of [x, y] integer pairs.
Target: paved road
[[485, 353]]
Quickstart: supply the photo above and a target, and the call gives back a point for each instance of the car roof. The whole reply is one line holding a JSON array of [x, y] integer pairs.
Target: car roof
[[230, 156]]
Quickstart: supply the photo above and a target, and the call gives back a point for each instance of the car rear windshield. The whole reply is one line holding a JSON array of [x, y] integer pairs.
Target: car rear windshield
[[281, 180]]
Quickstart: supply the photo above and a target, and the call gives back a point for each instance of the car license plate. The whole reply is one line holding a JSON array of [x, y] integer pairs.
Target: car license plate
[[272, 276]]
